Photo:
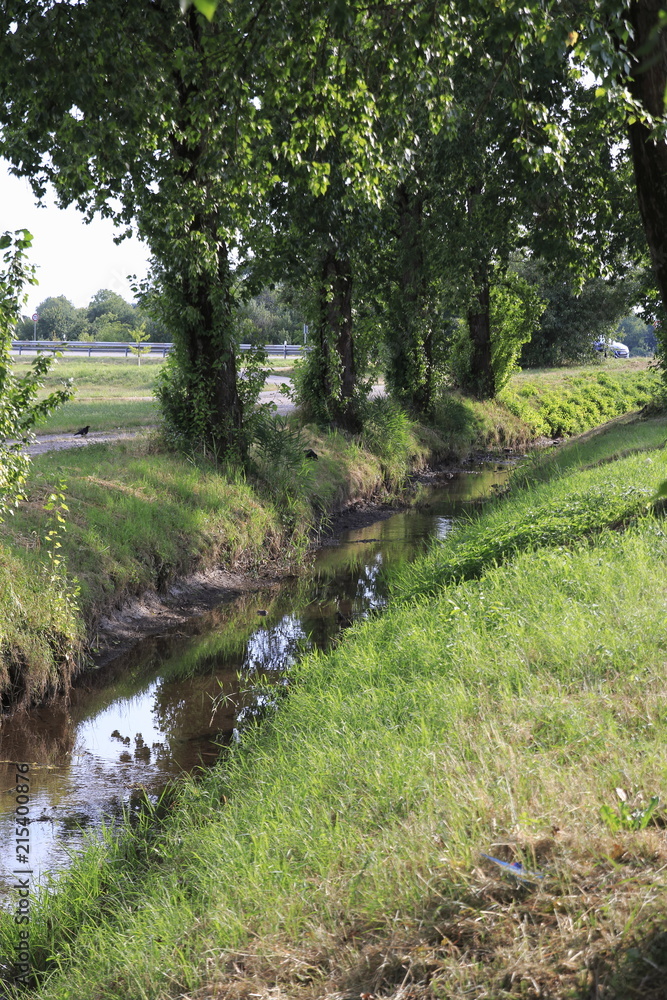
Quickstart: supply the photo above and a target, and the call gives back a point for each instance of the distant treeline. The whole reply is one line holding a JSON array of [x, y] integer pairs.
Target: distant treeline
[[564, 333], [108, 317]]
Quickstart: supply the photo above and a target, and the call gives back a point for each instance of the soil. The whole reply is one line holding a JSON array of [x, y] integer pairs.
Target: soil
[[155, 614]]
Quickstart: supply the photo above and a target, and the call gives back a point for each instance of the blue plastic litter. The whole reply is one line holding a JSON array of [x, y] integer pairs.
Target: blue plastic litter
[[514, 868]]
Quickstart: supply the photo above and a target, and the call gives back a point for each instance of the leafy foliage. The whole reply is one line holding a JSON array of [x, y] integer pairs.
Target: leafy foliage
[[271, 317], [59, 320], [639, 337], [628, 817], [139, 335], [574, 318], [20, 408]]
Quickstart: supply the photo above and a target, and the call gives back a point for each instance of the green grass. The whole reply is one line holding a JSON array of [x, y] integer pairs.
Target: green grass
[[618, 438], [337, 851], [560, 404], [102, 415], [556, 512], [140, 517], [101, 375], [111, 393]]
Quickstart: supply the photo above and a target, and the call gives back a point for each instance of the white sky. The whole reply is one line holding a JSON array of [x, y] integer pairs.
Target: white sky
[[73, 259]]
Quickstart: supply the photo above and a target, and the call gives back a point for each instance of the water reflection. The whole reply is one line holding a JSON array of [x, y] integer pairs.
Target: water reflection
[[168, 706]]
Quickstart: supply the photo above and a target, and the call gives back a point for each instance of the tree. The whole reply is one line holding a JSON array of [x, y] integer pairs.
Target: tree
[[272, 316], [575, 317], [110, 317], [173, 139], [139, 335], [24, 329], [59, 319], [640, 34], [624, 44], [639, 337], [317, 239], [163, 139], [20, 408]]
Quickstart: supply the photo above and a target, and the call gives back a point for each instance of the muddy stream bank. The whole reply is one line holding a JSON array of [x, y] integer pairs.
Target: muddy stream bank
[[165, 707]]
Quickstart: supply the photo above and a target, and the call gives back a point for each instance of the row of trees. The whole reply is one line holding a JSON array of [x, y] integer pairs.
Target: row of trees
[[563, 329], [108, 317], [401, 164], [271, 317]]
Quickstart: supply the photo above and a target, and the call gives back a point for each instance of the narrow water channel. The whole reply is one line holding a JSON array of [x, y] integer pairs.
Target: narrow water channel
[[167, 707]]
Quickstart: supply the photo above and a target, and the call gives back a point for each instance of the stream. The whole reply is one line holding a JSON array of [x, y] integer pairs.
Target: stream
[[166, 708]]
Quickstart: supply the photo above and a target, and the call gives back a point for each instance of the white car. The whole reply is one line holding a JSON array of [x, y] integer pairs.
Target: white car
[[613, 347]]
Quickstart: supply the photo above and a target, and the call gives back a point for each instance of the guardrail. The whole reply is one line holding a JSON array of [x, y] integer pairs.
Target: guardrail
[[100, 347]]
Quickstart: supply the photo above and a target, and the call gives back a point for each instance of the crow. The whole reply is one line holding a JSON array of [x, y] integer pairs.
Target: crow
[[82, 431]]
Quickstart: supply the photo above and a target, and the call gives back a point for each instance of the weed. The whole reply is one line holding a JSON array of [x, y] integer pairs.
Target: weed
[[279, 461], [628, 817], [389, 434]]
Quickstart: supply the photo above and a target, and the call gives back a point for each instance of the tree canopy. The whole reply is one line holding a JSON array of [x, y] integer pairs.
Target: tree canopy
[[399, 154]]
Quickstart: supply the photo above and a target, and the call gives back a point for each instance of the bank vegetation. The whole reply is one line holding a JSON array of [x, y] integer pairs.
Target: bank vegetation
[[509, 704]]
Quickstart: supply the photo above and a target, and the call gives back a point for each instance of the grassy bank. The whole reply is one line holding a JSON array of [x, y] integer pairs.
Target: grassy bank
[[553, 403], [568, 401], [140, 517], [516, 709]]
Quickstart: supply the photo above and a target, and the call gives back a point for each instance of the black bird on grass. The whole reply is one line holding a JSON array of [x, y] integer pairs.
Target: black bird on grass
[[82, 431]]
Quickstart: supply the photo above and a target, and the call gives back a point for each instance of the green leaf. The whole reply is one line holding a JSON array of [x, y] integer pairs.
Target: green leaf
[[206, 7], [610, 818], [647, 814]]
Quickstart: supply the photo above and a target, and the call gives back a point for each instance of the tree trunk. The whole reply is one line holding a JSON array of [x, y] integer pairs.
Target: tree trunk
[[649, 156], [412, 372], [206, 350], [337, 309], [482, 379], [339, 281]]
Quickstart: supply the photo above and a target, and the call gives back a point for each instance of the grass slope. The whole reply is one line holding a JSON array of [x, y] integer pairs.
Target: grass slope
[[139, 517], [338, 850]]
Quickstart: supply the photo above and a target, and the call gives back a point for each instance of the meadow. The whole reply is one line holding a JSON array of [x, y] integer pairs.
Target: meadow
[[111, 393]]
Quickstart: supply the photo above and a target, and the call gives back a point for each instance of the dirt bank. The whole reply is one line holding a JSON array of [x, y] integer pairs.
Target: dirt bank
[[157, 613]]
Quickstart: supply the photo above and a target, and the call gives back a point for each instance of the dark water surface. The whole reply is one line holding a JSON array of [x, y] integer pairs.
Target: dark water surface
[[166, 708]]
